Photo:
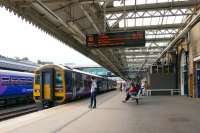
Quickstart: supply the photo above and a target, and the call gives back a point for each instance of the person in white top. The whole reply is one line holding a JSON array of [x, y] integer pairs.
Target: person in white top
[[143, 87], [93, 93]]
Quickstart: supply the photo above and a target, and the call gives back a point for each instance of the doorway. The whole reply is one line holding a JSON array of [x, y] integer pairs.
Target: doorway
[[198, 79], [184, 74]]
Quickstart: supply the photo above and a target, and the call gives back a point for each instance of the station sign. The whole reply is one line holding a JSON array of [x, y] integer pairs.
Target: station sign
[[130, 39]]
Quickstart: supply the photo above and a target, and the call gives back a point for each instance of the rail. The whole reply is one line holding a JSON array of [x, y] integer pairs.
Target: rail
[[17, 111], [172, 91]]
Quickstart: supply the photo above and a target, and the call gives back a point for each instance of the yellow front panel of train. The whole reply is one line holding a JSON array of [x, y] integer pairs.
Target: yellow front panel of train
[[47, 92], [36, 90]]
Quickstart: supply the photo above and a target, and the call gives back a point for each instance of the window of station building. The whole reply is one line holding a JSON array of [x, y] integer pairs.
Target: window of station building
[[154, 69], [171, 68], [166, 68], [160, 69], [58, 78], [198, 65]]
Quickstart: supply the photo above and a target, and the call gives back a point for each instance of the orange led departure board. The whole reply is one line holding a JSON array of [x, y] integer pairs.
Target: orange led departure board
[[131, 39]]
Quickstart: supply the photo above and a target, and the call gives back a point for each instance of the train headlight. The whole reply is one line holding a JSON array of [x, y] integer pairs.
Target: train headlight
[[37, 91]]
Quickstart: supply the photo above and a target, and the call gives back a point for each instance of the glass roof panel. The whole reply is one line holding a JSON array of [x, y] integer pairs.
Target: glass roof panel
[[130, 22], [138, 2], [111, 22], [139, 22], [155, 21], [156, 38]]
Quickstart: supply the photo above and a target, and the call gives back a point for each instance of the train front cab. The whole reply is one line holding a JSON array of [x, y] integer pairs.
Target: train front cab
[[49, 86]]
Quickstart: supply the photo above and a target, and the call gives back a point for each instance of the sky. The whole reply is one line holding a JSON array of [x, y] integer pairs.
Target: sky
[[21, 39]]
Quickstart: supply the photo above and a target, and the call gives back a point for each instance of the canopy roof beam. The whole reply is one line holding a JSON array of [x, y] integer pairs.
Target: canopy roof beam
[[148, 7], [151, 27]]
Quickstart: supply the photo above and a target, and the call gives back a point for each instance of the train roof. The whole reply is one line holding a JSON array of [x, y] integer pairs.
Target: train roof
[[66, 68], [76, 70], [52, 66], [17, 65], [8, 72]]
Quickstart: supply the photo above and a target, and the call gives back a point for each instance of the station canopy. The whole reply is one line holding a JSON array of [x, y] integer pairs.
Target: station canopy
[[71, 20]]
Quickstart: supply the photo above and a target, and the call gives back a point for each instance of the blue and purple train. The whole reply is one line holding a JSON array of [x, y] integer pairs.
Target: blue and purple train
[[56, 84], [53, 83], [15, 86]]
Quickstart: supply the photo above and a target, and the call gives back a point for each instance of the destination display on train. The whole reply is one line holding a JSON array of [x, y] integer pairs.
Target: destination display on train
[[131, 39]]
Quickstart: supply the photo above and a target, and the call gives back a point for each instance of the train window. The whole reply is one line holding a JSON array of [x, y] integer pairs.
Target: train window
[[15, 80], [78, 81], [29, 80], [37, 79], [58, 80], [47, 78], [68, 76], [26, 80], [22, 79], [5, 79]]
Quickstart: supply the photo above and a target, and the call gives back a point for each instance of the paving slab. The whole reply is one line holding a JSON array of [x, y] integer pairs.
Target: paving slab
[[156, 114]]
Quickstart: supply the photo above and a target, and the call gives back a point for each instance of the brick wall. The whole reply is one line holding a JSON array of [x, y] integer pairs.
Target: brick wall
[[194, 49], [195, 40]]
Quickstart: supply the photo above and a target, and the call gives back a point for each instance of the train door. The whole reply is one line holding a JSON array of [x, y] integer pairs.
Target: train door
[[70, 84], [73, 84], [184, 74], [198, 82], [47, 85], [79, 84], [186, 83]]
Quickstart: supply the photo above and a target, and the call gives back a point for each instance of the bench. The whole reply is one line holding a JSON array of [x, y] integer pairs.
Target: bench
[[172, 91], [137, 96]]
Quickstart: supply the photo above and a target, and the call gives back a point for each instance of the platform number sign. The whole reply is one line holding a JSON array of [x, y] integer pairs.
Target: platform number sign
[[130, 39]]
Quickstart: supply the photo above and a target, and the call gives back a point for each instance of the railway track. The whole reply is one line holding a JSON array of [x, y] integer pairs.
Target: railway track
[[17, 111]]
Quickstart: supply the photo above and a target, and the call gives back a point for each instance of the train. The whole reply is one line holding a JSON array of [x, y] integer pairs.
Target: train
[[56, 84], [15, 86]]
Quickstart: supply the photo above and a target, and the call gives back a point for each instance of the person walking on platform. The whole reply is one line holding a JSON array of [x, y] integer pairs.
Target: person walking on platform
[[93, 93]]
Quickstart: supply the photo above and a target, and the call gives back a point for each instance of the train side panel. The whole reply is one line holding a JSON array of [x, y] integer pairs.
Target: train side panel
[[78, 85], [13, 85]]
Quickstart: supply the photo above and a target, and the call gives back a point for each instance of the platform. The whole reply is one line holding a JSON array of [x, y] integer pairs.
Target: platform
[[156, 114]]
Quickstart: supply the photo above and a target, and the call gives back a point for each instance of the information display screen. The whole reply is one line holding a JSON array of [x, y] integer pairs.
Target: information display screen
[[131, 39]]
